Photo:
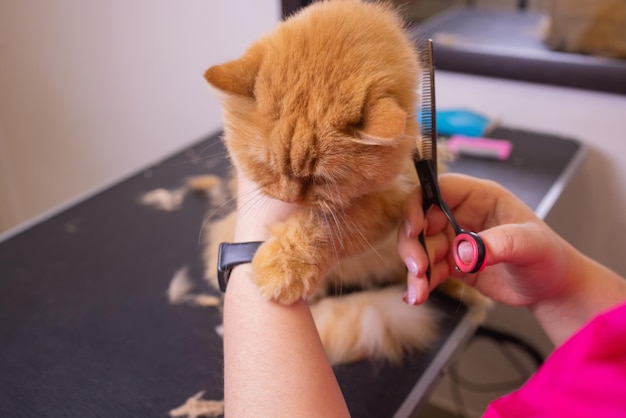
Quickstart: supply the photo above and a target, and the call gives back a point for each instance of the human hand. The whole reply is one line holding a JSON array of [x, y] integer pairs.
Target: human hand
[[526, 261], [257, 212]]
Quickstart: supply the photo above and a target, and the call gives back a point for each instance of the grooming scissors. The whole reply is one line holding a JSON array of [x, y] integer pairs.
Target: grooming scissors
[[426, 166]]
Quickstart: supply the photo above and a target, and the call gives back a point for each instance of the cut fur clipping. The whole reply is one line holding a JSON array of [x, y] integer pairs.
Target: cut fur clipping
[[196, 407], [212, 185], [179, 291], [171, 200], [179, 287], [163, 199]]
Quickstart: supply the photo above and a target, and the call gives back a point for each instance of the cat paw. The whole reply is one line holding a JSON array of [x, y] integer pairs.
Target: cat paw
[[282, 275]]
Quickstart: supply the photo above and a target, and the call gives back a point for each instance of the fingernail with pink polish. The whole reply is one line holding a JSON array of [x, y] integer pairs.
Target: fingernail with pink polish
[[411, 265], [411, 294]]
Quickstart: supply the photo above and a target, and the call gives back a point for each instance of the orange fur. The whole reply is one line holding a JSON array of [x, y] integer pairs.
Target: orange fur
[[321, 112], [373, 325]]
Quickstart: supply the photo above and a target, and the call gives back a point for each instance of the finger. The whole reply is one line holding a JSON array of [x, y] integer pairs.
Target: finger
[[416, 257], [414, 216], [417, 290], [438, 246], [500, 248], [413, 213], [478, 204], [412, 253], [511, 243], [440, 272], [466, 252], [458, 188], [418, 285], [436, 220]]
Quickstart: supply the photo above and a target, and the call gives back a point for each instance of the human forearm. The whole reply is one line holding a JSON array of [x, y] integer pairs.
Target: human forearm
[[275, 364], [592, 289]]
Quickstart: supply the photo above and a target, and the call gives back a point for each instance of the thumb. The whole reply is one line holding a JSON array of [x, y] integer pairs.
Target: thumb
[[466, 252], [510, 243]]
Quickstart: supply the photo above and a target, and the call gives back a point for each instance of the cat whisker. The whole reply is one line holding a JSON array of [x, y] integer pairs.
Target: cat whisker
[[206, 221], [193, 157], [251, 203], [209, 146], [339, 284], [339, 228], [369, 244]]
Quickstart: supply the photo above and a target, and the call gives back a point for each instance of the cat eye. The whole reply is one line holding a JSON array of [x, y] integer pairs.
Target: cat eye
[[358, 125]]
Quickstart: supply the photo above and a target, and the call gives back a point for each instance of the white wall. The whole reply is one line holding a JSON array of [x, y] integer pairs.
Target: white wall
[[93, 91]]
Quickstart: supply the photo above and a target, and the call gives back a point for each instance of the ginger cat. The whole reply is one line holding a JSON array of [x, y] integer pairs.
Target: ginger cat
[[321, 112]]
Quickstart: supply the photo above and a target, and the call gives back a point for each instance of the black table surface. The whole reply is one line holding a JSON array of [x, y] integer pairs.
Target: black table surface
[[86, 329]]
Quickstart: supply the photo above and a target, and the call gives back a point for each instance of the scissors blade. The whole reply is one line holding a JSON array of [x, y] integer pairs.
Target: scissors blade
[[428, 120], [426, 166]]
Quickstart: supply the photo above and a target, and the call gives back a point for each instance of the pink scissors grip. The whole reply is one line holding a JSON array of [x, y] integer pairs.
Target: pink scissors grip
[[479, 252]]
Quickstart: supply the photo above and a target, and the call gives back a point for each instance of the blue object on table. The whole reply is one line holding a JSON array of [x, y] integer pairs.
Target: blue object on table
[[460, 122]]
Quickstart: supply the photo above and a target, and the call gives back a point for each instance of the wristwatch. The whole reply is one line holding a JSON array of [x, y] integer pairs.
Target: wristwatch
[[231, 255]]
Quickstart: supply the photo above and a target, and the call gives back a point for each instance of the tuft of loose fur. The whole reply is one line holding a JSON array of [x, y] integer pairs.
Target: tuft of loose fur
[[196, 407], [321, 112]]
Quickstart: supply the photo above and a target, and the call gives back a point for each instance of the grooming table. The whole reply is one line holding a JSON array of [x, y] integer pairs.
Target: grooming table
[[86, 328]]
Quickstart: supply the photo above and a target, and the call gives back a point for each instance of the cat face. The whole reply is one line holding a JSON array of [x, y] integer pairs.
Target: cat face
[[321, 110]]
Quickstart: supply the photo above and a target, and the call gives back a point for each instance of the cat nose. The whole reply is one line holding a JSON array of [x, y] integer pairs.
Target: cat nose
[[292, 197], [295, 199]]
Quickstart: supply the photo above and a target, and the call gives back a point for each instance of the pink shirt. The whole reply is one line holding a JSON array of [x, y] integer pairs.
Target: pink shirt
[[585, 377]]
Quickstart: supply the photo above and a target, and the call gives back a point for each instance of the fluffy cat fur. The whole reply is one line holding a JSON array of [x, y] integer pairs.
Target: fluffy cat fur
[[321, 112]]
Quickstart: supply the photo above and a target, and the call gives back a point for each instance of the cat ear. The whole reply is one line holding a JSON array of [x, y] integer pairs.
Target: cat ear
[[236, 77], [383, 120]]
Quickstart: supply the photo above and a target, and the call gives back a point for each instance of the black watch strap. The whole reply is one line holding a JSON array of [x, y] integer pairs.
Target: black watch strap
[[231, 255]]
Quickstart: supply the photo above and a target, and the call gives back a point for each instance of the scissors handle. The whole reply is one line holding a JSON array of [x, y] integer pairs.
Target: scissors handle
[[431, 196], [479, 249], [479, 252]]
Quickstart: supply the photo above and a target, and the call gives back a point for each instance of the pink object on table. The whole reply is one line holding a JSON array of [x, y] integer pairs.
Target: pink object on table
[[585, 377], [499, 149]]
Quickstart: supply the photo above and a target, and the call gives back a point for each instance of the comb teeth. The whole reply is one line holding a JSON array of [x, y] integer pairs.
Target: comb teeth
[[427, 149], [427, 100]]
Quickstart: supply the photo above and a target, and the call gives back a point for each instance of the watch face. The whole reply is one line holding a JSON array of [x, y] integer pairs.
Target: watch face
[[231, 255]]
